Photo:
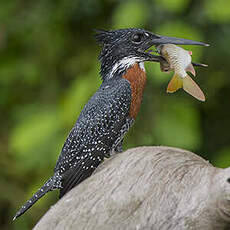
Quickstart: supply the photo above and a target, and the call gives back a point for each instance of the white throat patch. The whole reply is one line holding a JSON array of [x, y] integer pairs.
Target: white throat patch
[[126, 63], [142, 66]]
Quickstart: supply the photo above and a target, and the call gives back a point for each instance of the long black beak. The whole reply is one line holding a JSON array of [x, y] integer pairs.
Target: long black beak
[[158, 40]]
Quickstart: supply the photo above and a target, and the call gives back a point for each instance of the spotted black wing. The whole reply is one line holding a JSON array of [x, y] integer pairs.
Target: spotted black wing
[[98, 128]]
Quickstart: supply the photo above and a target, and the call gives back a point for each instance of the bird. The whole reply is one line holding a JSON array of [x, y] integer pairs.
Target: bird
[[108, 115]]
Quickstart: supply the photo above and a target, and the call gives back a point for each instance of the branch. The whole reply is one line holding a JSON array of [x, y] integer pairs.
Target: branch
[[147, 188]]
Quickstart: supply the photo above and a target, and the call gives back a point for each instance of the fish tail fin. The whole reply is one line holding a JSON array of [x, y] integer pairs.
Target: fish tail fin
[[175, 84], [191, 69], [48, 186], [192, 88]]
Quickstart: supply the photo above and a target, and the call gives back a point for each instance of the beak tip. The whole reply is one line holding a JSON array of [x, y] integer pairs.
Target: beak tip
[[206, 44]]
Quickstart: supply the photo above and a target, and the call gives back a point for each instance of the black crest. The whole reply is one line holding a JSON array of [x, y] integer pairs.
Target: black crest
[[102, 36], [117, 45]]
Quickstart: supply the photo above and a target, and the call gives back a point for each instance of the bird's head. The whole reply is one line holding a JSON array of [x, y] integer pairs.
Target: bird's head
[[124, 47]]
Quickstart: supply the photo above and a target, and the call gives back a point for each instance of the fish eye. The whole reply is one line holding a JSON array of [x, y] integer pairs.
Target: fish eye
[[136, 38]]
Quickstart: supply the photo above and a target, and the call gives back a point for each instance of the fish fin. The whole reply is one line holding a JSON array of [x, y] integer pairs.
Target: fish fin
[[191, 69], [192, 88], [175, 84]]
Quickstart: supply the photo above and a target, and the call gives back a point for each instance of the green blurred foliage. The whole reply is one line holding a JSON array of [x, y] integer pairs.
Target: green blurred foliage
[[175, 5], [217, 10], [49, 69], [123, 16]]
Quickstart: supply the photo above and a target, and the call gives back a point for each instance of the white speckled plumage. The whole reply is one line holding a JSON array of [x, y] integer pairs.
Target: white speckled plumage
[[100, 127], [105, 119]]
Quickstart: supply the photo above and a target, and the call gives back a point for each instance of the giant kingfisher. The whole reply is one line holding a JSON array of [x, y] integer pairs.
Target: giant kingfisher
[[110, 112]]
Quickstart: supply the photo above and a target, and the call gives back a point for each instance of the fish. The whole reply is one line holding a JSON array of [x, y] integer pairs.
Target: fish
[[179, 60]]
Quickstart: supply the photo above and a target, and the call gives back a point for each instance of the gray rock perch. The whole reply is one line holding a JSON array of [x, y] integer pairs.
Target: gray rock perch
[[155, 188]]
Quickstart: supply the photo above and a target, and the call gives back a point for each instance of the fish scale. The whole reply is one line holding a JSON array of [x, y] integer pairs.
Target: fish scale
[[179, 64]]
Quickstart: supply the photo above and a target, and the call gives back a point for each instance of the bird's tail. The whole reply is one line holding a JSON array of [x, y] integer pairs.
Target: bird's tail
[[48, 186]]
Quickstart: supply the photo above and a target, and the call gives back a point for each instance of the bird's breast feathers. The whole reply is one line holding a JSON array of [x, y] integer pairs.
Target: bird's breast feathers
[[137, 78]]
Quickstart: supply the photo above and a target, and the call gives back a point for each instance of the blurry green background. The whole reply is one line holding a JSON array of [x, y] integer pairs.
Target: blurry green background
[[49, 69]]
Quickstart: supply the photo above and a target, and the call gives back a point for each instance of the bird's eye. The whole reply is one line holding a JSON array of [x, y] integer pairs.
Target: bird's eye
[[137, 38]]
